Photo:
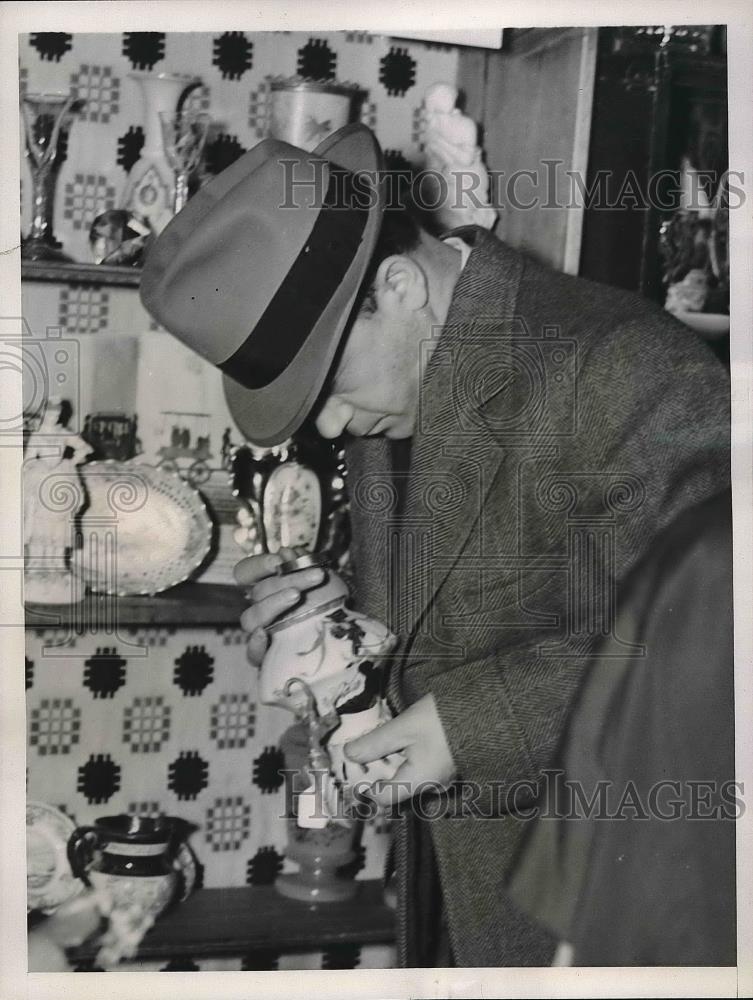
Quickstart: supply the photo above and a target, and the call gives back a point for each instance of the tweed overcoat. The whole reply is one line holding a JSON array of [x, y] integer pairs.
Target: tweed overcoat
[[561, 426]]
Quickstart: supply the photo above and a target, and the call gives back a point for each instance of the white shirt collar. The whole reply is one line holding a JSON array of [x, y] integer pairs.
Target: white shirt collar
[[461, 246]]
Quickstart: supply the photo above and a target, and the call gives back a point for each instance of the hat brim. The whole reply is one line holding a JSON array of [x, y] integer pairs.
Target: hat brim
[[269, 415]]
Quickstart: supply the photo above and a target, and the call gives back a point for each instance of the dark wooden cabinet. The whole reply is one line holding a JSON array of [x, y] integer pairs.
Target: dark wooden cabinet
[[616, 106], [655, 102]]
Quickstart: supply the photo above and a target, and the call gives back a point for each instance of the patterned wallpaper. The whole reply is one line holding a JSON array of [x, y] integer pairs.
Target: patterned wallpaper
[[169, 718]]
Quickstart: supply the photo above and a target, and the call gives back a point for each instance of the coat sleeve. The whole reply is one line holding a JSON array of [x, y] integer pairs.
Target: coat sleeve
[[657, 409]]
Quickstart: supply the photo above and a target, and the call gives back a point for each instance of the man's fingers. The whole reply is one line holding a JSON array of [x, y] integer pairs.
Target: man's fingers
[[302, 580], [264, 613], [389, 738], [256, 647], [405, 782], [254, 568]]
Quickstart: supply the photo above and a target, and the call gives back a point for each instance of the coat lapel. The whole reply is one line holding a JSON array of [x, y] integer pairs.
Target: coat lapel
[[455, 457]]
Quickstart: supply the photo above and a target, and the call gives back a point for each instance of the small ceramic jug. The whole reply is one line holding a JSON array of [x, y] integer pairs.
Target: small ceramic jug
[[130, 858], [335, 650]]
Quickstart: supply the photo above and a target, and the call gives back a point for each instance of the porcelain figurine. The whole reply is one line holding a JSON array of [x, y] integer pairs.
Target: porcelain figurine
[[52, 497], [450, 142]]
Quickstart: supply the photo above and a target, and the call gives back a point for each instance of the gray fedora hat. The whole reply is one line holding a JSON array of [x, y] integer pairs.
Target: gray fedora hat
[[259, 272]]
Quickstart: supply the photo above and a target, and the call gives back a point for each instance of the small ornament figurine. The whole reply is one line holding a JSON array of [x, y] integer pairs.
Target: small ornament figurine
[[119, 237], [450, 142], [53, 495]]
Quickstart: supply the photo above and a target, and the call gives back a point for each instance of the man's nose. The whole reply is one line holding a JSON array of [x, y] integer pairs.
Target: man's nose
[[333, 417]]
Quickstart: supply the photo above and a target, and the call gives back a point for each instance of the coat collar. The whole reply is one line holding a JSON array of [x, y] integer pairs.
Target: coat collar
[[451, 429]]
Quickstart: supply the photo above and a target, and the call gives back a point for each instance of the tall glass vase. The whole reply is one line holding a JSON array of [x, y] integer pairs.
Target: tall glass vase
[[150, 187], [47, 121]]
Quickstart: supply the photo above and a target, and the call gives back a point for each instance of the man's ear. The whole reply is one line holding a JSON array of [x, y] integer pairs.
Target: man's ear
[[401, 282]]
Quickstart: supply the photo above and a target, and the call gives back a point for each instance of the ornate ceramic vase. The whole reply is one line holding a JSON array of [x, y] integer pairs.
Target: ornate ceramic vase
[[151, 183], [131, 859], [335, 650]]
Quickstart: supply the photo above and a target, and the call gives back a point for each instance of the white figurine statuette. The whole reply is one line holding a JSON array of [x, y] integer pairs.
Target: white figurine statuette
[[52, 496], [450, 142]]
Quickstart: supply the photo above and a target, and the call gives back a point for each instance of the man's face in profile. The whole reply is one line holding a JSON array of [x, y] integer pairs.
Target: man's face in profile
[[375, 387]]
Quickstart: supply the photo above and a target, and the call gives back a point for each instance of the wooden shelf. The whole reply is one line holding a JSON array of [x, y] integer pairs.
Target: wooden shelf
[[197, 604], [214, 922], [73, 273]]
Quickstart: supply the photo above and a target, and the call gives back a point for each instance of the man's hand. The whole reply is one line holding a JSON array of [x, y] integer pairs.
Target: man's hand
[[417, 733], [272, 595]]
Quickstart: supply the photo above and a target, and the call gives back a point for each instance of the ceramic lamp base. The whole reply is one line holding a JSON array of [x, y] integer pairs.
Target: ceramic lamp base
[[320, 855]]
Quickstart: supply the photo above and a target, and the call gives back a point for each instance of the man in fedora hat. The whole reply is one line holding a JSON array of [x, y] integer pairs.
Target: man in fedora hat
[[515, 440]]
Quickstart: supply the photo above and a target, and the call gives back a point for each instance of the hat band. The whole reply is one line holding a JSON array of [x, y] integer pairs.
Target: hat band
[[307, 289]]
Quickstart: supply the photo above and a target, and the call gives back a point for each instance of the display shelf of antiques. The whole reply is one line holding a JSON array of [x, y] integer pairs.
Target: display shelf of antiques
[[226, 922], [72, 273], [188, 604]]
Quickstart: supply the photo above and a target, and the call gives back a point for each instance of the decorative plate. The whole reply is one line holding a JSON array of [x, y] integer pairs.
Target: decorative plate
[[144, 529], [49, 879]]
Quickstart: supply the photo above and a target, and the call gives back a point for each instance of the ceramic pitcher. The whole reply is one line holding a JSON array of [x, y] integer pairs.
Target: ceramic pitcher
[[132, 859]]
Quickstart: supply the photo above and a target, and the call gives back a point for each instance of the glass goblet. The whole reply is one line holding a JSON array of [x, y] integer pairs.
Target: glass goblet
[[184, 134], [47, 119]]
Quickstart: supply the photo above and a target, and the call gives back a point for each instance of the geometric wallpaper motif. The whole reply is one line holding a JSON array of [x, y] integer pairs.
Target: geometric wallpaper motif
[[228, 823], [51, 45], [146, 724], [54, 727], [99, 90], [232, 721], [144, 48], [83, 308], [85, 197]]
